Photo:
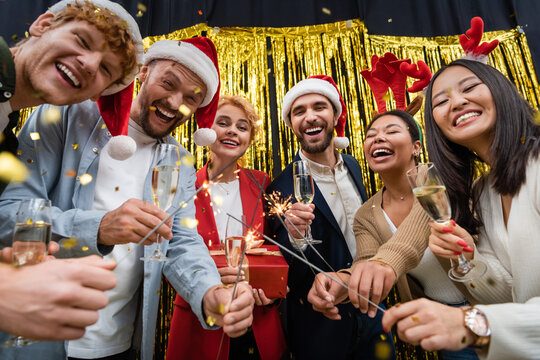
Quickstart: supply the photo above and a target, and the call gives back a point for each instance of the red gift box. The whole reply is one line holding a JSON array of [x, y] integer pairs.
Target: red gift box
[[267, 270]]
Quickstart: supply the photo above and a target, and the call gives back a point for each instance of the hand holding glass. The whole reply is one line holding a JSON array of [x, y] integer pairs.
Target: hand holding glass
[[430, 191], [30, 242], [304, 191], [165, 173]]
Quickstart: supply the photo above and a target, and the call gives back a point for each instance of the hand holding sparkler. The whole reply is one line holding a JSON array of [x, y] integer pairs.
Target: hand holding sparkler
[[325, 294], [234, 316]]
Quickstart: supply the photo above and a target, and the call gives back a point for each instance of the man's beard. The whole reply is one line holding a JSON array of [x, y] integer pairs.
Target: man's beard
[[144, 119], [317, 148]]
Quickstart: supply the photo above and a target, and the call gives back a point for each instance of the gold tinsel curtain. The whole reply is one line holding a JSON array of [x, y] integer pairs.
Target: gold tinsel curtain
[[263, 63]]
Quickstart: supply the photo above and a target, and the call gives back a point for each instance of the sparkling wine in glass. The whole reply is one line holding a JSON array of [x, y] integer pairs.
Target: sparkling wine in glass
[[30, 241], [304, 191], [235, 244], [165, 174], [430, 191]]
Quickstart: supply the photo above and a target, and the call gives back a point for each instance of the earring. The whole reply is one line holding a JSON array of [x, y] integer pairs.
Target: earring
[[416, 153]]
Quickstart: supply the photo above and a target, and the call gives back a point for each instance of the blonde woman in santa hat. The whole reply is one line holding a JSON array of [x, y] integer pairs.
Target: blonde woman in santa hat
[[106, 204], [236, 126]]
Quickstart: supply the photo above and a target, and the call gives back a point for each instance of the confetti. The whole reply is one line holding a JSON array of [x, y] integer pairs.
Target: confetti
[[522, 139], [19, 152], [28, 221], [415, 319], [383, 351], [152, 108], [69, 243], [34, 136], [200, 12], [116, 188], [103, 127], [26, 34], [389, 20], [386, 96], [491, 282], [184, 110], [210, 320], [197, 90], [75, 146], [44, 173], [348, 24], [51, 115], [218, 201], [84, 248], [11, 168], [29, 160], [139, 14], [188, 160], [71, 173], [85, 179], [14, 37], [221, 309], [190, 223], [383, 337], [326, 11], [464, 340], [141, 7]]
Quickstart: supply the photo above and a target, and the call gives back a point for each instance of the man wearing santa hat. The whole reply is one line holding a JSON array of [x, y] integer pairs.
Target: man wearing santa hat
[[313, 109], [106, 203], [74, 52]]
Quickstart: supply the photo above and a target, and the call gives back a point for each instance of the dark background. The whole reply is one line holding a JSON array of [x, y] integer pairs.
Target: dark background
[[382, 17]]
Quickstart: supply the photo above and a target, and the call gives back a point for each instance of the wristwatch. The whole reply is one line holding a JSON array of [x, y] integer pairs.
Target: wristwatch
[[477, 322]]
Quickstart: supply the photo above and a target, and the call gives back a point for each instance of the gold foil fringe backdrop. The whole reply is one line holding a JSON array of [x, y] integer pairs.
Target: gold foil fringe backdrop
[[263, 63]]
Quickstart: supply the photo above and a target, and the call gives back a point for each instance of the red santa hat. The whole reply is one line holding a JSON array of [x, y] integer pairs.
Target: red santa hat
[[115, 101], [322, 85], [199, 55]]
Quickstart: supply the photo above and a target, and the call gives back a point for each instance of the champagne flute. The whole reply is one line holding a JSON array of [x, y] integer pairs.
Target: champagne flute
[[165, 173], [235, 241], [430, 191], [304, 191], [30, 242]]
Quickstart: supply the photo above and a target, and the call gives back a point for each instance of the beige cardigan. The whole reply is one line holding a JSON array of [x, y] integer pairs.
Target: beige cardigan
[[402, 250]]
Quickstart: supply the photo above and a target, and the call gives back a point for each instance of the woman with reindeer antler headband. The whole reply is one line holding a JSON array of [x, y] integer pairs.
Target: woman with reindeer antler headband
[[474, 114], [391, 228]]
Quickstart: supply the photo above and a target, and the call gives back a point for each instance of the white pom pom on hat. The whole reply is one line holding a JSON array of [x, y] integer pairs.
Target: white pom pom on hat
[[199, 55], [322, 85]]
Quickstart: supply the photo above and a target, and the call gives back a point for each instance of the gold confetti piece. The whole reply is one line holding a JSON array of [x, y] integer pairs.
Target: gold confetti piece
[[326, 11], [14, 37], [522, 139], [11, 168], [44, 173], [383, 351], [103, 127], [415, 319], [218, 200], [221, 309], [464, 340], [71, 173], [152, 108], [386, 96], [75, 146], [19, 152], [200, 12], [184, 110], [141, 7], [491, 282], [52, 115], [389, 20], [383, 337], [26, 34], [34, 136], [472, 285], [183, 204], [398, 304], [197, 90], [29, 160], [69, 243], [85, 179], [139, 14], [210, 320], [116, 188], [348, 24], [190, 223], [188, 160], [84, 248], [28, 221]]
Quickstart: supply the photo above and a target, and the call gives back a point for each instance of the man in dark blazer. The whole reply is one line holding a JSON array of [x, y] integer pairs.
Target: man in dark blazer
[[313, 109]]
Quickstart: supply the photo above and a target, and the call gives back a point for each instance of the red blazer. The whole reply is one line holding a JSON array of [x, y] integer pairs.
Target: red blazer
[[187, 338]]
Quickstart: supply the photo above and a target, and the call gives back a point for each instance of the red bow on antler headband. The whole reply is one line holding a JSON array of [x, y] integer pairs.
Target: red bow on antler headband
[[470, 41]]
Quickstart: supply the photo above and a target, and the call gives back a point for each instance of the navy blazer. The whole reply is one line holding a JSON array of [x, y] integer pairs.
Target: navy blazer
[[310, 334]]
